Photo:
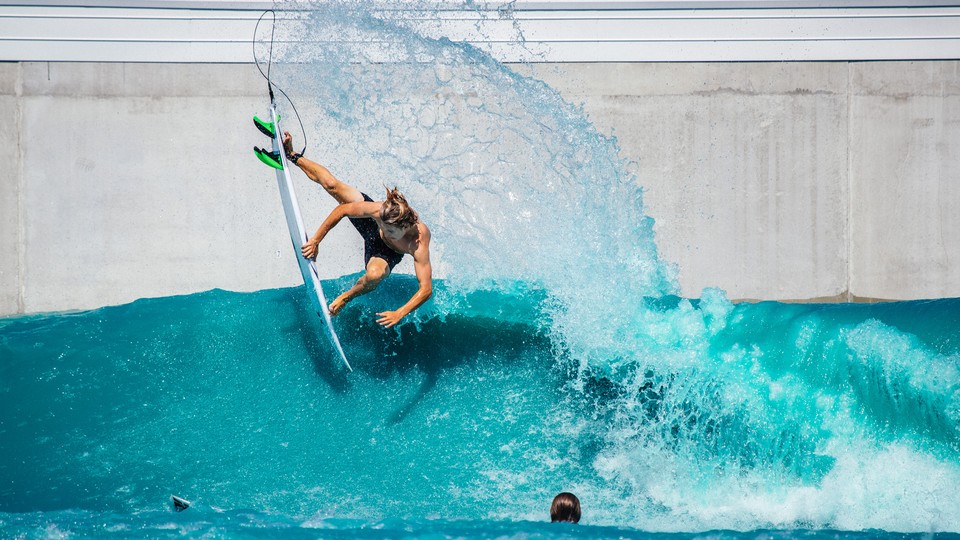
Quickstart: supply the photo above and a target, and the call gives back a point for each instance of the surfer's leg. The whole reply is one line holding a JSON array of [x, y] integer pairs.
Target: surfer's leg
[[341, 191], [377, 271]]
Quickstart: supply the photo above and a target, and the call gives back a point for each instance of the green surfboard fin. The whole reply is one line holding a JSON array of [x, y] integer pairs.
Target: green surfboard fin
[[267, 128], [270, 158]]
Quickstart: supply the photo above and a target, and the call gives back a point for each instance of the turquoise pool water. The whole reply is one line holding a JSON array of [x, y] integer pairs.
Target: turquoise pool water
[[744, 417]]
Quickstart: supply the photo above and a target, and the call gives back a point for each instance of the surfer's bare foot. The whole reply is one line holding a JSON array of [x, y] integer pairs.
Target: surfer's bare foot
[[337, 305]]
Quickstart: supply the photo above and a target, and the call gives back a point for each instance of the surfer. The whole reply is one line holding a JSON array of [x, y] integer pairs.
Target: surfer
[[390, 229]]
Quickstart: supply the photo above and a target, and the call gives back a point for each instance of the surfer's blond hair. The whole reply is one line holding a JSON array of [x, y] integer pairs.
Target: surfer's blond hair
[[396, 210]]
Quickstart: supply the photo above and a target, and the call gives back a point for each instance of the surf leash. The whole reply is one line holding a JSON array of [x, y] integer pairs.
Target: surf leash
[[270, 84]]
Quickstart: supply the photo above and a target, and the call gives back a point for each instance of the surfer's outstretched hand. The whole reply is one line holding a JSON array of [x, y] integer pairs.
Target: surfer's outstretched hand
[[310, 250], [389, 318], [337, 305]]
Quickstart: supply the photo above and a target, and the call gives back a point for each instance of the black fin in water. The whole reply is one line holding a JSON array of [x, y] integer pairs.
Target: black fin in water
[[179, 504]]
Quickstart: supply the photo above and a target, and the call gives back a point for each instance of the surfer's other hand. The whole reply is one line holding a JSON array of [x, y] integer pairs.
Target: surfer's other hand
[[309, 250], [389, 318], [287, 143], [337, 305]]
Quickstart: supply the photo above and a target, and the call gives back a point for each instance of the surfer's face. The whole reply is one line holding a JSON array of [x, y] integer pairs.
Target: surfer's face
[[395, 233]]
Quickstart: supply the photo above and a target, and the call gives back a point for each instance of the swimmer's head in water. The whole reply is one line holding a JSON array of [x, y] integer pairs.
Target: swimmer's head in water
[[565, 507]]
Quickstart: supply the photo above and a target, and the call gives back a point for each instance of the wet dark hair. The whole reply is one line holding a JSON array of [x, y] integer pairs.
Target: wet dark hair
[[565, 507], [396, 211]]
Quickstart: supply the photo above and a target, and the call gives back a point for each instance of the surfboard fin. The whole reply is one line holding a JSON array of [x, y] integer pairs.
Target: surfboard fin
[[267, 128], [270, 158], [179, 504]]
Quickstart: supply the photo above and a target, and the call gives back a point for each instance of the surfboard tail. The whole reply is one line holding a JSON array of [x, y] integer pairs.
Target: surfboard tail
[[267, 128], [271, 159]]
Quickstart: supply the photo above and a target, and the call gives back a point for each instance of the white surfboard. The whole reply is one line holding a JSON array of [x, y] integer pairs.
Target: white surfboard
[[298, 236]]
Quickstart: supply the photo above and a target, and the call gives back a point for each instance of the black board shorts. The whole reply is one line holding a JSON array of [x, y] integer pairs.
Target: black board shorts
[[373, 244]]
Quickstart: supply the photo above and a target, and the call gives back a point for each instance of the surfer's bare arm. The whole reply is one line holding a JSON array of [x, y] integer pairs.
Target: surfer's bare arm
[[424, 271], [356, 210]]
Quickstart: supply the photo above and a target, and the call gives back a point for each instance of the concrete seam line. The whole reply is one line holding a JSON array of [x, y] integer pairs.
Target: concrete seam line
[[21, 231], [848, 232]]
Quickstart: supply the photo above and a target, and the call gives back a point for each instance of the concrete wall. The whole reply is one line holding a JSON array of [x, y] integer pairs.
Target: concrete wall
[[745, 167], [137, 183], [905, 193], [10, 177], [791, 181], [783, 181]]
